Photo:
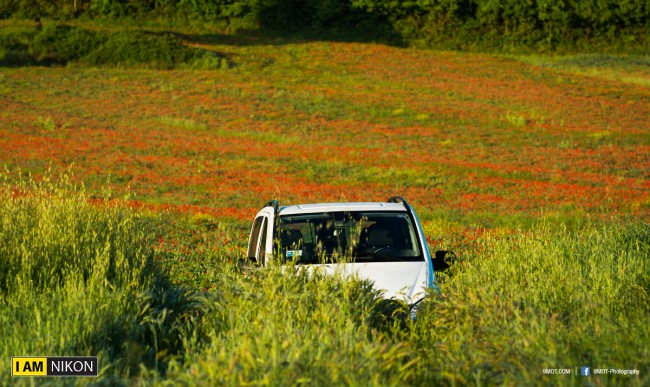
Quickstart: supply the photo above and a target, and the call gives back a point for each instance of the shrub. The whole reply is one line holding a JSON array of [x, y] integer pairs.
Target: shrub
[[136, 47], [14, 47], [62, 44]]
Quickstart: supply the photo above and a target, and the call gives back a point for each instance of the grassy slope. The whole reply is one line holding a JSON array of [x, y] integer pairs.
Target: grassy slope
[[470, 139]]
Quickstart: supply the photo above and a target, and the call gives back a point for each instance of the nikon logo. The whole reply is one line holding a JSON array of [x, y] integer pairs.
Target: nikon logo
[[54, 366]]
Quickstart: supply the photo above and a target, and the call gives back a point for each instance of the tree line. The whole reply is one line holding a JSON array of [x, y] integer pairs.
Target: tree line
[[530, 22]]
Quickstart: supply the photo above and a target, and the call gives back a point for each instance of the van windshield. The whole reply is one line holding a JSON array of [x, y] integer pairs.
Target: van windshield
[[354, 236]]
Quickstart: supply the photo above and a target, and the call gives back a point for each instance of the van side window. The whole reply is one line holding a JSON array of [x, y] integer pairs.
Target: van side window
[[261, 251], [255, 237]]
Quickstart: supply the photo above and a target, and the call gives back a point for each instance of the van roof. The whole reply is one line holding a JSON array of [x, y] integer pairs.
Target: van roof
[[336, 207]]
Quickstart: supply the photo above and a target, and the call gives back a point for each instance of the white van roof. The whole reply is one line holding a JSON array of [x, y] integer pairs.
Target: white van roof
[[336, 207]]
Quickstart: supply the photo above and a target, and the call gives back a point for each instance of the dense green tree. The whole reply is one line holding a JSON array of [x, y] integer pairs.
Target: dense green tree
[[531, 22]]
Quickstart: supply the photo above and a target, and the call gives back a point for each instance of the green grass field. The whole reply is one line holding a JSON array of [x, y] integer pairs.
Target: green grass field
[[128, 192]]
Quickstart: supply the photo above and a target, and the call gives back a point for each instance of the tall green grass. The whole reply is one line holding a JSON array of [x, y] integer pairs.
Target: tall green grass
[[519, 303], [549, 298], [275, 327], [71, 276], [80, 277]]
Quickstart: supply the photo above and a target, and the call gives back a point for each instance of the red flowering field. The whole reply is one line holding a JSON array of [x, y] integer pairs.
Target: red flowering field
[[495, 154], [470, 137]]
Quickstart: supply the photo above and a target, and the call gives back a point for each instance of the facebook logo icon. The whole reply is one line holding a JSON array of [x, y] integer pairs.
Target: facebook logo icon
[[585, 371]]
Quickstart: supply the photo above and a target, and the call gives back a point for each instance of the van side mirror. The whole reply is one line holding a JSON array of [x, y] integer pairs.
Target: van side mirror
[[443, 259]]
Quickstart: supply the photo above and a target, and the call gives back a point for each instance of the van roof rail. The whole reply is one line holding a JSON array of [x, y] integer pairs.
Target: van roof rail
[[273, 203], [398, 199]]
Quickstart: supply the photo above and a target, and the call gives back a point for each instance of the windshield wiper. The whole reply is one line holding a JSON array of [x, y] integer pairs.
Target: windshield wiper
[[379, 255]]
